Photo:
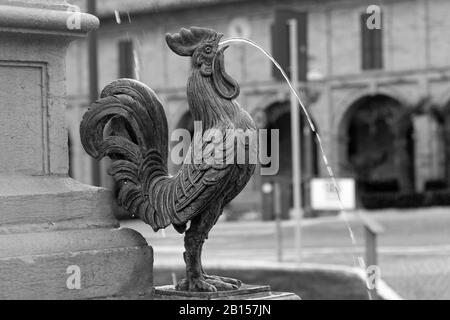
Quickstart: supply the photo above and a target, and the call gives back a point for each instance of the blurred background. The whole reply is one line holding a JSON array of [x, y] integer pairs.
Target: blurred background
[[379, 98]]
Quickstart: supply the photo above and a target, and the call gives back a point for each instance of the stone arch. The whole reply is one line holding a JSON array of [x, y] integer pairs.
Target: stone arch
[[278, 116], [351, 98], [273, 98], [375, 144]]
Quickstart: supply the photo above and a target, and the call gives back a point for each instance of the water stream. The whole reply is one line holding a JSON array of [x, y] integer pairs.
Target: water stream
[[314, 131]]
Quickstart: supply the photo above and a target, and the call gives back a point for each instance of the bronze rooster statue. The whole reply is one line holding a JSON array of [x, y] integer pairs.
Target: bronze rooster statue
[[137, 143]]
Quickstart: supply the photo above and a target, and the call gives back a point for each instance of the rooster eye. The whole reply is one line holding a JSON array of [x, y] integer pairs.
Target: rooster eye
[[208, 49]]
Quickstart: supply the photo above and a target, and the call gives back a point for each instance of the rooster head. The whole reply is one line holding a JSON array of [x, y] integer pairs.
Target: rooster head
[[202, 45]]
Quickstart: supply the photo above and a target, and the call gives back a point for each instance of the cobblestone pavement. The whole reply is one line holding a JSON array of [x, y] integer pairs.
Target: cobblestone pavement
[[414, 250]]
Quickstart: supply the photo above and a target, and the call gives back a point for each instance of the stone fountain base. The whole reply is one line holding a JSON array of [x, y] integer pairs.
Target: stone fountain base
[[59, 238], [245, 292]]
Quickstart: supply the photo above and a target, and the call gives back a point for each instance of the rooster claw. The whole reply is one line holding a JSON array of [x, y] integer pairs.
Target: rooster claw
[[235, 282], [221, 285], [208, 284], [195, 285]]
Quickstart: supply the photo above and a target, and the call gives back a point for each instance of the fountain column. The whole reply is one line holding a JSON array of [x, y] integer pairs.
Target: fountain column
[[58, 237]]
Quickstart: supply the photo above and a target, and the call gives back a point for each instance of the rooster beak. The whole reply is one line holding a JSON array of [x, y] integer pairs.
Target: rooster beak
[[222, 49]]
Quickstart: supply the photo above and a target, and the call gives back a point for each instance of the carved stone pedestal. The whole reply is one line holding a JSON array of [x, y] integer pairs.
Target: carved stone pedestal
[[246, 292], [58, 237]]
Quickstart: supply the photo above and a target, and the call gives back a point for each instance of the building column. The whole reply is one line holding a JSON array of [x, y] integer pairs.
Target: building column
[[403, 163], [447, 147], [307, 174], [59, 239]]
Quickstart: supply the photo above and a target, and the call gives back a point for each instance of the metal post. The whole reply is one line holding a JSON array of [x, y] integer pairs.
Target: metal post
[[371, 258], [93, 81], [295, 133], [371, 247], [277, 211], [371, 229]]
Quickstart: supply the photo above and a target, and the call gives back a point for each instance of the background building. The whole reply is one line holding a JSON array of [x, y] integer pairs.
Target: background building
[[379, 97]]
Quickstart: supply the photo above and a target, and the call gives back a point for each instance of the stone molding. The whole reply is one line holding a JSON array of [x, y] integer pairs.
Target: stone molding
[[28, 19]]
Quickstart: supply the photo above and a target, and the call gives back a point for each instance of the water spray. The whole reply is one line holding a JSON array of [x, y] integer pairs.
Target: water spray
[[312, 127]]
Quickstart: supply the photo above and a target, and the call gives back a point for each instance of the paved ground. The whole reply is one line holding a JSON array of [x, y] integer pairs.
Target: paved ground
[[414, 250]]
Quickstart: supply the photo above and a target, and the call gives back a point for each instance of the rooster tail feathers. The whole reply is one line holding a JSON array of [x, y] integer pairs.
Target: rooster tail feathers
[[151, 168], [135, 117], [129, 195], [129, 125]]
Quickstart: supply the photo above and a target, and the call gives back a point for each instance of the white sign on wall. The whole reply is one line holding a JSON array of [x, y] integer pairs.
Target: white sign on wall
[[324, 196]]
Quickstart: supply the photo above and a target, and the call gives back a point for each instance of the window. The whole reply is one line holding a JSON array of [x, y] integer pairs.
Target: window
[[280, 42], [371, 46], [126, 59]]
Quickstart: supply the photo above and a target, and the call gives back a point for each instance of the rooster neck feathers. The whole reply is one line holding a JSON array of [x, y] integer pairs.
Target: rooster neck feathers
[[206, 105]]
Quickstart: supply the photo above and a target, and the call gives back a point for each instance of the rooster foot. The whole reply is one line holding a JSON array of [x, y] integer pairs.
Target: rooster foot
[[234, 282], [220, 285], [195, 285], [208, 283]]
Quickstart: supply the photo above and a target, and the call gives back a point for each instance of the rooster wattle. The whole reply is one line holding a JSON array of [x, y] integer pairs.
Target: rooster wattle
[[138, 147]]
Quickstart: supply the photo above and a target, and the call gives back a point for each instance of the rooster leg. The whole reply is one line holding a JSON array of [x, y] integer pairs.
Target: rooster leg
[[196, 280], [193, 241], [194, 276], [235, 283]]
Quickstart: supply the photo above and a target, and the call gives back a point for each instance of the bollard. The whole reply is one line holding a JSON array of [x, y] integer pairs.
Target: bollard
[[277, 211], [371, 230]]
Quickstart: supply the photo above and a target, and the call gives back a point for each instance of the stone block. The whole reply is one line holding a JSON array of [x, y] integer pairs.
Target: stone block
[[53, 230], [110, 263], [246, 292]]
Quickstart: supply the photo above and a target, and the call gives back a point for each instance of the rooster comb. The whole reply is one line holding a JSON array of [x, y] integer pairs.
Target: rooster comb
[[186, 41]]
